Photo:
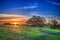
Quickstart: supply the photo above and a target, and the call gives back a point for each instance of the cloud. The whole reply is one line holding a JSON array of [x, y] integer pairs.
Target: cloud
[[45, 16], [26, 7], [54, 3], [20, 10], [30, 7], [11, 15], [35, 13]]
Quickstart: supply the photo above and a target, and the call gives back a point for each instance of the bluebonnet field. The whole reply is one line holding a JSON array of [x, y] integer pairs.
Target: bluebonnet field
[[15, 10], [29, 33]]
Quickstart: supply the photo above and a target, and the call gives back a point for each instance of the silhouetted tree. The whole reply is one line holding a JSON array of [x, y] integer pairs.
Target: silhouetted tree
[[36, 21], [58, 25], [6, 24], [54, 23]]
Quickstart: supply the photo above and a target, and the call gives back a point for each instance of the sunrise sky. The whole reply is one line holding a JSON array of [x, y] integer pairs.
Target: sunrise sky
[[23, 9]]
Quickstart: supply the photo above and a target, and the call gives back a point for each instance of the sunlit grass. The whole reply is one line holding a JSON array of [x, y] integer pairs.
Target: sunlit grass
[[49, 29], [29, 33]]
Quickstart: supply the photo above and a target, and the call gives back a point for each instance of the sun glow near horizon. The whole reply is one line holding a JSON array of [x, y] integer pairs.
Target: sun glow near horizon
[[13, 19]]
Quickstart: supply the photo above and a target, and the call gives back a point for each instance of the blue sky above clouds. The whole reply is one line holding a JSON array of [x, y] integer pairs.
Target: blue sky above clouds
[[31, 7]]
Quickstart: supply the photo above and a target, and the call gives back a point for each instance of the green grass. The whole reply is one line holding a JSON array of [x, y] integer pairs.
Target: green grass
[[29, 33]]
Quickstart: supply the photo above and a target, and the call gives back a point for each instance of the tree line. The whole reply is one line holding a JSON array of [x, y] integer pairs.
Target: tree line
[[37, 21]]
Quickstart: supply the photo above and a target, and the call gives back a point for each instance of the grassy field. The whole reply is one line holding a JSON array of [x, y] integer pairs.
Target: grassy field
[[29, 33]]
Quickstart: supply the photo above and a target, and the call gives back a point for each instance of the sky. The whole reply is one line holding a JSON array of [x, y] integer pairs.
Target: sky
[[44, 8]]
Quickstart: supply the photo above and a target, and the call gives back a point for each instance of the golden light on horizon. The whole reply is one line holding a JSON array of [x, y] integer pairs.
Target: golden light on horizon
[[13, 19], [15, 23]]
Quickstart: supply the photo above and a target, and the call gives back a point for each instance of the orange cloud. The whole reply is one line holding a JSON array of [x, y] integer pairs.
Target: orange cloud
[[10, 17]]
